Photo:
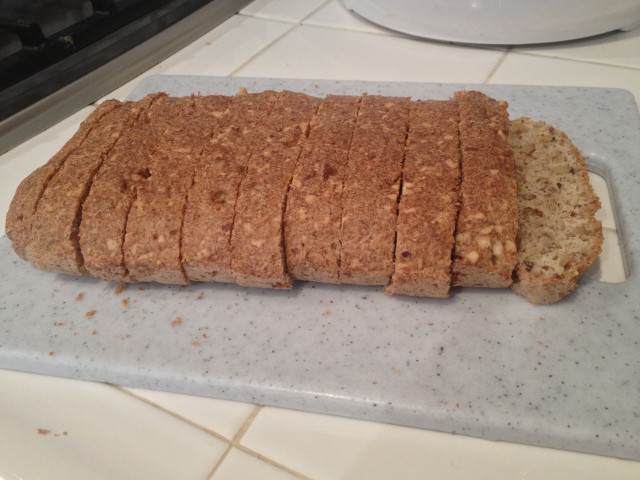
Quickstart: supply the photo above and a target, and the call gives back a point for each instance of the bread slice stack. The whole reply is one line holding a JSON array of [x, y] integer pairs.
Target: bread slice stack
[[262, 189]]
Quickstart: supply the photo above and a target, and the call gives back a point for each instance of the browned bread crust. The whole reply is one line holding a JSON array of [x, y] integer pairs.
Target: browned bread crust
[[211, 204], [113, 190], [54, 242], [152, 247], [429, 201], [485, 250], [314, 204], [371, 189], [257, 249], [25, 200], [559, 237]]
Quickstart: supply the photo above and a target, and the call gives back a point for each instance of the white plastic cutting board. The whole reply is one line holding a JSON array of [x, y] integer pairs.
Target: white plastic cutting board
[[483, 363]]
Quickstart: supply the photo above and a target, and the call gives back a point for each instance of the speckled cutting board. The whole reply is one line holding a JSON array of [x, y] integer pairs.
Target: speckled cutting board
[[483, 363]]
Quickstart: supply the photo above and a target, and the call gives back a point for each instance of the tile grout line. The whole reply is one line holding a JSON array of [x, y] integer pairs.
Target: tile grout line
[[498, 64], [292, 26], [231, 442], [157, 406], [235, 442], [318, 8], [569, 59]]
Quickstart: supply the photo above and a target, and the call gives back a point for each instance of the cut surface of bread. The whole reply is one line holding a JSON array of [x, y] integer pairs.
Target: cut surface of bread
[[559, 237], [54, 244], [113, 190], [314, 203], [429, 201], [154, 225], [257, 247], [371, 190], [25, 200], [485, 249], [211, 204]]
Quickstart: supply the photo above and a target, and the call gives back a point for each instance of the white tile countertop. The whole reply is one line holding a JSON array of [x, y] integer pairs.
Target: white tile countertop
[[53, 428]]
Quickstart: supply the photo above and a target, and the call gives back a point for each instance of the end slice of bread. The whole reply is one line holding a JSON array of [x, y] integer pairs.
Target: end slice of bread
[[559, 237]]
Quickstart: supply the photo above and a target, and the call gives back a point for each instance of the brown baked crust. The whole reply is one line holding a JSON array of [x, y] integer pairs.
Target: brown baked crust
[[152, 246], [113, 190], [559, 236], [314, 210], [25, 201], [371, 189], [210, 210], [257, 249], [485, 249], [55, 244], [429, 201]]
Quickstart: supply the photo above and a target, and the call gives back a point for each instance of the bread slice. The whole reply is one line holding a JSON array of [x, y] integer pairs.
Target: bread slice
[[25, 201], [371, 189], [210, 209], [113, 190], [55, 245], [559, 237], [485, 249], [314, 204], [152, 246], [429, 201], [257, 247]]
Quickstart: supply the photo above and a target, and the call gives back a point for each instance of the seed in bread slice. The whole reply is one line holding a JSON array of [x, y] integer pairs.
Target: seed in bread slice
[[211, 202], [113, 190], [559, 237], [152, 246], [371, 189], [55, 244], [25, 200], [257, 247], [314, 209], [429, 201], [485, 249]]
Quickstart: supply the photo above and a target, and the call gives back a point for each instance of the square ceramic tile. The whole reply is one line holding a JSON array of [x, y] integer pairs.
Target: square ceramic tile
[[223, 417], [219, 52], [55, 428], [238, 464], [617, 48], [327, 53], [284, 10], [525, 69], [325, 447], [335, 15]]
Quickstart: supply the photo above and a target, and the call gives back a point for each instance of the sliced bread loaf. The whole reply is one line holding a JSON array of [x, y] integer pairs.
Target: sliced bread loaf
[[429, 201], [371, 190], [485, 250]]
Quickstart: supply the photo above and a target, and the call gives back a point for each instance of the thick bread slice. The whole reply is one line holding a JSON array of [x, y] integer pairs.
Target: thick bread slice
[[371, 189], [485, 249], [257, 247], [152, 246], [429, 201], [559, 237], [314, 209], [55, 244], [105, 210], [208, 220], [25, 201]]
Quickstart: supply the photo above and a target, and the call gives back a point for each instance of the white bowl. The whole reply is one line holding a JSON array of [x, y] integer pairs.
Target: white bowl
[[500, 22]]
